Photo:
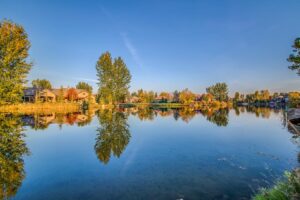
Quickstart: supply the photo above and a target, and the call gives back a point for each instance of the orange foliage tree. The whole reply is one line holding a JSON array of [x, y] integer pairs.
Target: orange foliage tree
[[72, 94]]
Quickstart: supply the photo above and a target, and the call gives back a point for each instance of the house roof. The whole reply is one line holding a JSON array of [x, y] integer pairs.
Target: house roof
[[57, 92], [30, 91]]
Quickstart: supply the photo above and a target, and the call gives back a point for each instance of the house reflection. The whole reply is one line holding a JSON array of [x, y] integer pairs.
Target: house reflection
[[43, 120], [186, 114]]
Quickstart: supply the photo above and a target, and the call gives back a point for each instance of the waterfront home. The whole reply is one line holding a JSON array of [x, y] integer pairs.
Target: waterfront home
[[53, 95]]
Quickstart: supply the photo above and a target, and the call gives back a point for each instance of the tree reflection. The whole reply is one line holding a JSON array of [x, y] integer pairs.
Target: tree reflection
[[218, 117], [113, 135], [12, 150], [263, 112], [187, 114]]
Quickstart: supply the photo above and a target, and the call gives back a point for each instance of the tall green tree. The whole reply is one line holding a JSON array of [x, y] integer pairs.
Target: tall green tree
[[41, 84], [14, 66], [236, 96], [294, 58], [84, 86], [219, 91], [114, 79]]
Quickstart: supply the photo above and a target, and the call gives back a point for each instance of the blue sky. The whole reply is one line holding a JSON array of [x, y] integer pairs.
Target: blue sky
[[167, 45]]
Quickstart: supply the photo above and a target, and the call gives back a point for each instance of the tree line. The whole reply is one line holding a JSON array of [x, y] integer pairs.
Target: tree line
[[113, 76]]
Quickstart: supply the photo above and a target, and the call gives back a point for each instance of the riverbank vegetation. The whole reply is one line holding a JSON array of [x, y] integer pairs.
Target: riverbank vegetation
[[114, 83], [41, 107], [286, 189]]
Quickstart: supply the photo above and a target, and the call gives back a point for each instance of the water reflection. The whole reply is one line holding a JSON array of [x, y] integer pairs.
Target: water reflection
[[186, 114], [219, 117], [41, 121], [12, 150], [113, 134]]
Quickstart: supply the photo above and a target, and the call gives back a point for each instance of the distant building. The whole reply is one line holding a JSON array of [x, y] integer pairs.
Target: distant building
[[53, 95]]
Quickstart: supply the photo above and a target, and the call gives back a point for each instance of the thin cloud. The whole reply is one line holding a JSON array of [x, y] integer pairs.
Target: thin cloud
[[132, 50]]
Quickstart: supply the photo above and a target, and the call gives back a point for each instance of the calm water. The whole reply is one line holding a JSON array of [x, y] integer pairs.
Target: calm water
[[144, 154]]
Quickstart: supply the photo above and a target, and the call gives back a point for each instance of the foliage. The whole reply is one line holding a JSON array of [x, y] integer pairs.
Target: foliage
[[219, 91], [60, 97], [41, 84], [113, 135], [165, 96], [294, 99], [176, 96], [264, 95], [12, 150], [287, 189], [236, 97], [14, 67], [84, 86], [207, 97], [294, 58], [142, 96], [72, 94], [114, 79], [186, 97]]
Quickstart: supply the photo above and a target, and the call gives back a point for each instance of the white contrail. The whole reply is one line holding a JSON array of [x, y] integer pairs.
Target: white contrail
[[132, 50]]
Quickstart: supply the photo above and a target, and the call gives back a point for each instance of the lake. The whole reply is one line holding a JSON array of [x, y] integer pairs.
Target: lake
[[145, 154]]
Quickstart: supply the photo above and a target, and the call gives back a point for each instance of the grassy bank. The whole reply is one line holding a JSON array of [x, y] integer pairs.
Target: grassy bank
[[41, 108], [287, 189], [27, 108]]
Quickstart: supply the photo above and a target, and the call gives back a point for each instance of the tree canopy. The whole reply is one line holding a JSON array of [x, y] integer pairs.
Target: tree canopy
[[219, 91], [84, 86], [14, 66], [186, 96], [41, 84], [72, 94], [114, 79], [294, 58]]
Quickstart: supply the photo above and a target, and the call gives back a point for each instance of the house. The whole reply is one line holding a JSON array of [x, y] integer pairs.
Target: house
[[46, 95], [53, 95], [134, 99], [29, 94]]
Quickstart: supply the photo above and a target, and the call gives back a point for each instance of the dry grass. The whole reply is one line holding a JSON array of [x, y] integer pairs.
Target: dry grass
[[41, 108]]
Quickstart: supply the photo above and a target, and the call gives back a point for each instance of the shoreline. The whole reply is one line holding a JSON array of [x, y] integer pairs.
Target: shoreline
[[40, 107]]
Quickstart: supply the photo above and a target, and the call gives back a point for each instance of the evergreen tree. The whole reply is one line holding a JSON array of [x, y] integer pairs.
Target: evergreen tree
[[176, 96], [14, 67]]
